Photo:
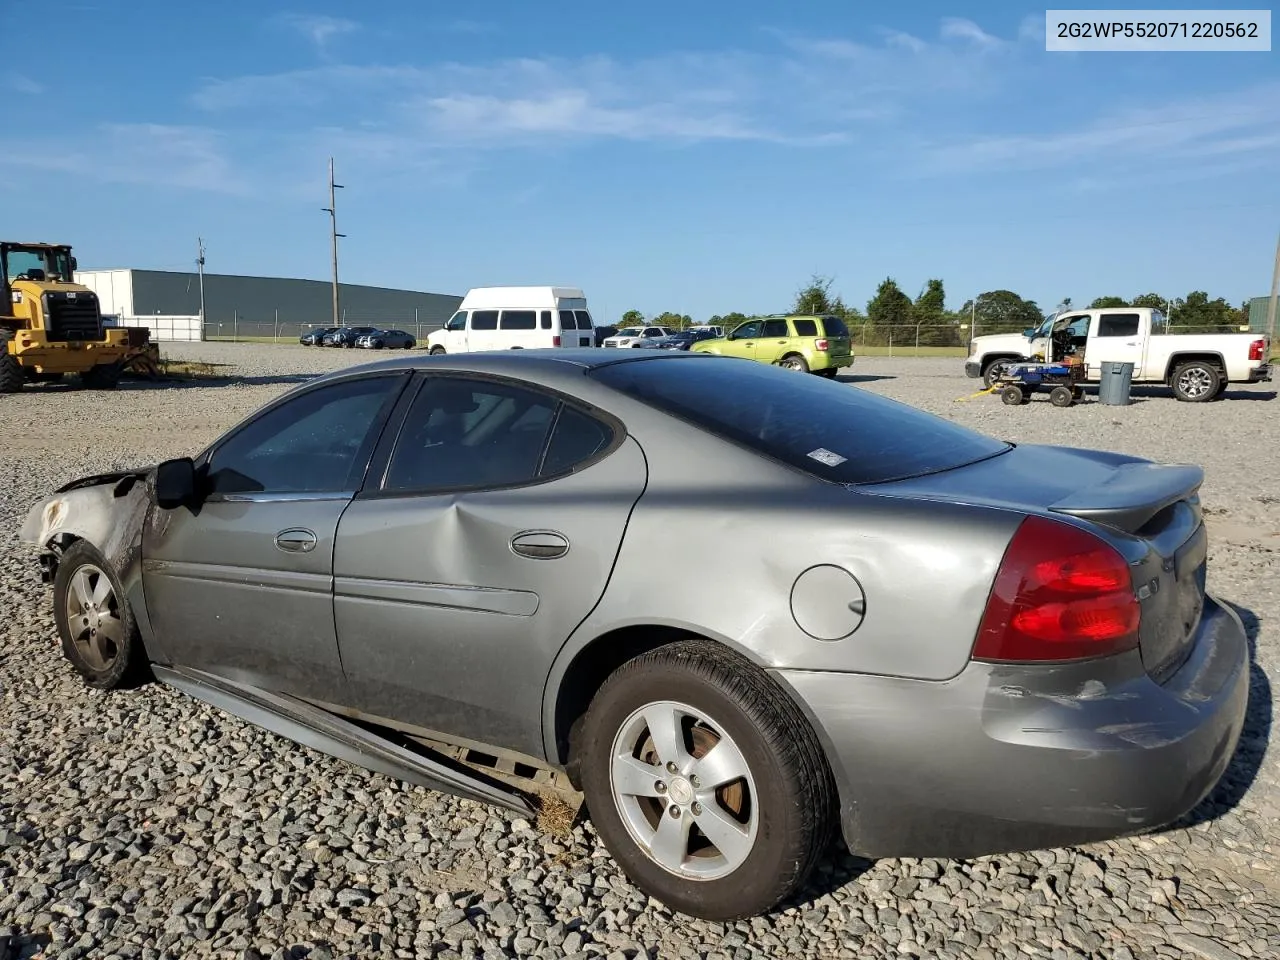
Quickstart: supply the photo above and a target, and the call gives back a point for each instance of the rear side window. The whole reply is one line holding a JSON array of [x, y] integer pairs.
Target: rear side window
[[519, 319], [484, 320], [584, 319], [1118, 325], [546, 320], [577, 438], [834, 327], [806, 328], [567, 321], [774, 328], [837, 433]]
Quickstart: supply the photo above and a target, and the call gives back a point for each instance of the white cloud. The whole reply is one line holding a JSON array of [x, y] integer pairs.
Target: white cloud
[[20, 83], [317, 28], [141, 153], [958, 28], [1242, 122]]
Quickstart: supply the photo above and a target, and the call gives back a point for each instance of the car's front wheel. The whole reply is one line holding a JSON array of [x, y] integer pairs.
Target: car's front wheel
[[94, 621], [705, 781]]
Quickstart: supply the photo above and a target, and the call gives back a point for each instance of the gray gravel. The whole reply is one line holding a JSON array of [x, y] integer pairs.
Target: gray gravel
[[146, 825]]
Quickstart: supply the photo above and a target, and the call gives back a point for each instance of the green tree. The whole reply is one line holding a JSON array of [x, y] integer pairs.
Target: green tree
[[1104, 303], [632, 318], [729, 320], [1198, 311], [931, 306], [1152, 301], [1003, 311], [890, 307], [814, 297]]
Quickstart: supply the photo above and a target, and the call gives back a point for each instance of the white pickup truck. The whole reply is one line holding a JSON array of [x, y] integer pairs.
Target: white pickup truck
[[1197, 366]]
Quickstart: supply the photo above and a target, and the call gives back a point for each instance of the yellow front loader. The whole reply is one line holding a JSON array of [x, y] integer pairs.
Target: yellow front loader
[[51, 326]]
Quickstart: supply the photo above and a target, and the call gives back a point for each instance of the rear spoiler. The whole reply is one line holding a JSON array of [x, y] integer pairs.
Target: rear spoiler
[[1133, 494]]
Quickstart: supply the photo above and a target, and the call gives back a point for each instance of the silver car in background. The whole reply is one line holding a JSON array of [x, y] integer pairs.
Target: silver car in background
[[731, 609]]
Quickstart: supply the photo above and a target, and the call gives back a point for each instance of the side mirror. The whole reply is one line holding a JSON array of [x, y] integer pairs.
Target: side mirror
[[175, 483]]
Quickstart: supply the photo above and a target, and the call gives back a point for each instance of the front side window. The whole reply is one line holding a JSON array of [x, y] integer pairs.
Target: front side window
[[748, 331], [318, 442], [462, 433], [458, 321]]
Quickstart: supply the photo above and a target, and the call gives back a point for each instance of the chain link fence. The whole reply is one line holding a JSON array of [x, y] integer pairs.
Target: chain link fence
[[895, 340]]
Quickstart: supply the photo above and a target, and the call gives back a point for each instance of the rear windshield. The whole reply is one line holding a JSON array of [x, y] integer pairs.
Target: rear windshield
[[584, 319], [830, 430], [567, 322], [835, 327]]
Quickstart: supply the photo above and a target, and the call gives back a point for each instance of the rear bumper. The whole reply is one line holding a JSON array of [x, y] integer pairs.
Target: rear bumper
[[1002, 759], [1260, 374], [972, 368], [824, 361]]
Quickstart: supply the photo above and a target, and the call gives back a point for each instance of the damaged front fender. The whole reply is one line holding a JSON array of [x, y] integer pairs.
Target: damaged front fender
[[108, 511]]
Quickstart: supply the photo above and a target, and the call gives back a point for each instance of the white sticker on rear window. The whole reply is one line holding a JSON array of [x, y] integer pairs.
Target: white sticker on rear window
[[823, 455]]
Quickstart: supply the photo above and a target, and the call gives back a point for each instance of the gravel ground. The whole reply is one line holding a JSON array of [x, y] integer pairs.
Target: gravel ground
[[145, 824]]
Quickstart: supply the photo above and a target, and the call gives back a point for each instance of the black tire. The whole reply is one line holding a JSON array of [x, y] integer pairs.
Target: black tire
[[793, 361], [378, 344], [410, 344], [1012, 396], [1196, 381], [1061, 396], [12, 375], [992, 371], [794, 798], [105, 376], [128, 665], [437, 351], [1222, 388]]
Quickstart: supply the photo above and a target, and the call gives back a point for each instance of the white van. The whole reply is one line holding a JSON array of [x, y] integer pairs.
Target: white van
[[514, 318]]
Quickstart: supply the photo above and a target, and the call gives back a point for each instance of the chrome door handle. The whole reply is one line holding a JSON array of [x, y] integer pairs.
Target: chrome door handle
[[540, 544], [296, 540]]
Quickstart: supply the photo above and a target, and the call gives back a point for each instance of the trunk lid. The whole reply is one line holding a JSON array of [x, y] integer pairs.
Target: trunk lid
[[1150, 512]]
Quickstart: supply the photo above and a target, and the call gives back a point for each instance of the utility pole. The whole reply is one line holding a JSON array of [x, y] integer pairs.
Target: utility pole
[[200, 270], [334, 235], [1271, 304]]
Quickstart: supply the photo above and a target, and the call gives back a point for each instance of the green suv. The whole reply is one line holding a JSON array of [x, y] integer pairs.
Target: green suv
[[798, 342]]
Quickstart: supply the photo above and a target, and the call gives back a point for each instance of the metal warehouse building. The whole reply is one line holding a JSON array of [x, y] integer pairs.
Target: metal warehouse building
[[263, 306]]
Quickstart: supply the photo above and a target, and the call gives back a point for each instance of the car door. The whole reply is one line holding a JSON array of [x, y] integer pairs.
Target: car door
[[1116, 335], [488, 538], [742, 341], [774, 341], [241, 585]]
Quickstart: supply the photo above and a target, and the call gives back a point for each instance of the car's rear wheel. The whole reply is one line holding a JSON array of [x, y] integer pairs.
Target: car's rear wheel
[[705, 781], [793, 361], [96, 626], [1196, 382]]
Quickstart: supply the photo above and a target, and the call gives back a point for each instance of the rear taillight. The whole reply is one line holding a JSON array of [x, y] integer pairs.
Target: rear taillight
[[821, 344], [555, 341], [1060, 594], [1256, 349]]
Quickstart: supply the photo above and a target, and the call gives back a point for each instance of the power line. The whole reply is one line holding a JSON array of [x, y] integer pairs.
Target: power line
[[331, 209]]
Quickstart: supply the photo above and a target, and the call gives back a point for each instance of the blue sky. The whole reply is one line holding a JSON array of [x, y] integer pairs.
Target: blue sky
[[697, 157]]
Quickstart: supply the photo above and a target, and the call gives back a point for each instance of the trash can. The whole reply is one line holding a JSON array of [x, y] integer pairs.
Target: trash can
[[1117, 378]]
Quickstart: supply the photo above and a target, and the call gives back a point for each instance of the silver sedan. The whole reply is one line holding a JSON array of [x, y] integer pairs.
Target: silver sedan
[[731, 609]]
